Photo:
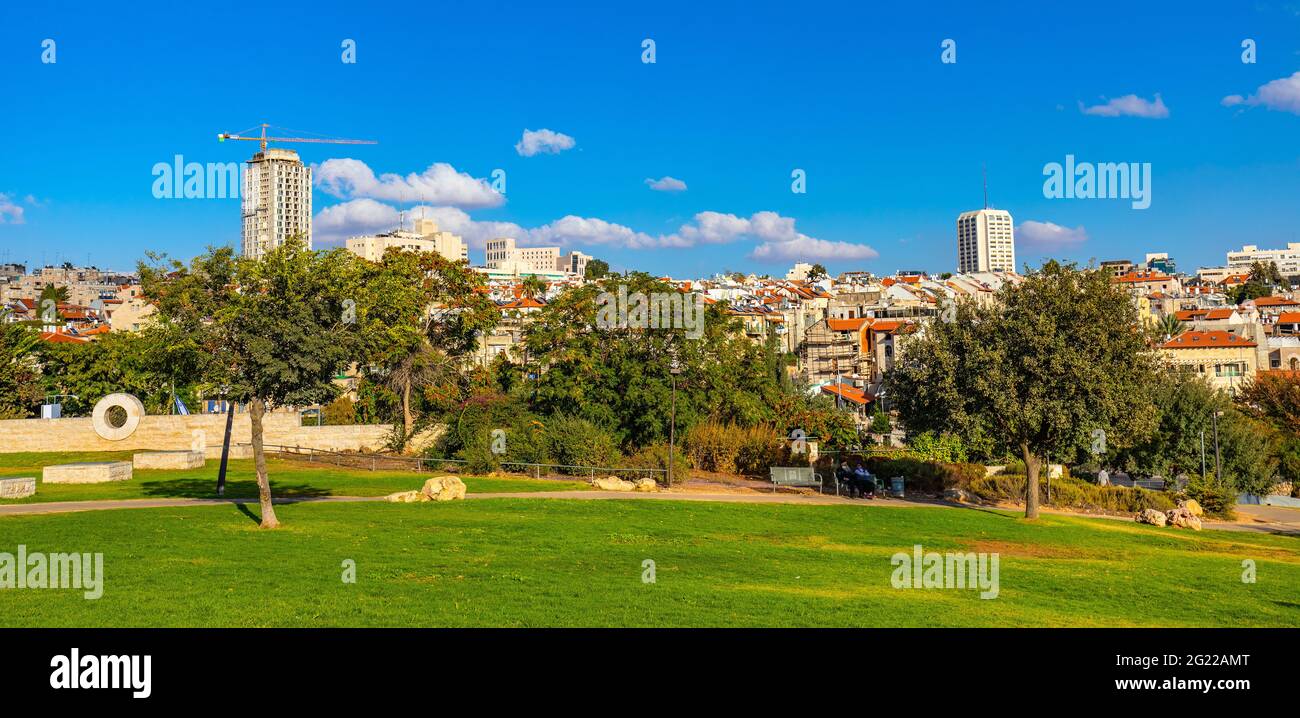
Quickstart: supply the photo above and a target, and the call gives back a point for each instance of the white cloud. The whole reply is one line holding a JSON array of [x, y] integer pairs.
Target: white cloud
[[440, 183], [543, 141], [1129, 106], [805, 248], [1282, 95], [777, 237], [336, 223], [666, 184], [10, 211], [1048, 235]]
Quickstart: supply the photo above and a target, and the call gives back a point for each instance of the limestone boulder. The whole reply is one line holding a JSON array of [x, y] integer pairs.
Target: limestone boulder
[[613, 483], [961, 496], [1151, 516], [1192, 506], [406, 497], [443, 488], [1183, 518], [646, 485]]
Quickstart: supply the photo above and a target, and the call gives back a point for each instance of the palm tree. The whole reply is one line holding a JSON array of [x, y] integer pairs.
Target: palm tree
[[533, 286], [1169, 326]]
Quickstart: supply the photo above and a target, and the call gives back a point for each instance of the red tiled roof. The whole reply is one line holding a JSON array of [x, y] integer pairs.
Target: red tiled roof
[[849, 393], [1216, 339], [890, 326], [60, 338], [1275, 302], [523, 303], [845, 325], [1133, 277], [1288, 318]]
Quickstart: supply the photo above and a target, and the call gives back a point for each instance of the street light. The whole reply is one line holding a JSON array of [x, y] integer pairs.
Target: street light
[[1218, 462], [674, 370]]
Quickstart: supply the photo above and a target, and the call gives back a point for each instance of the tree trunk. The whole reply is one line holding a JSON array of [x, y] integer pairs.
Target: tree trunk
[[1032, 465], [256, 409], [408, 421]]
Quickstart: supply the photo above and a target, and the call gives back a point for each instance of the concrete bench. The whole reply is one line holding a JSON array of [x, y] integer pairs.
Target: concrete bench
[[19, 488], [168, 460], [92, 472]]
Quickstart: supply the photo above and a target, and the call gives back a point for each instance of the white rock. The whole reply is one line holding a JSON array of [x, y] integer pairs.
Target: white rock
[[1151, 516], [613, 483], [443, 488]]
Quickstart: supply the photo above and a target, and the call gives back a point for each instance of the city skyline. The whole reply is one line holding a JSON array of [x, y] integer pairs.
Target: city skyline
[[659, 166]]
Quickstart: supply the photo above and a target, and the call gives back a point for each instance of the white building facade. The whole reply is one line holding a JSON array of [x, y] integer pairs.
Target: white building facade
[[276, 201], [1287, 260], [985, 241]]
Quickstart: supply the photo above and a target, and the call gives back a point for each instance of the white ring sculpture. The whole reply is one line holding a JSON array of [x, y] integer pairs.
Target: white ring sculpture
[[134, 410]]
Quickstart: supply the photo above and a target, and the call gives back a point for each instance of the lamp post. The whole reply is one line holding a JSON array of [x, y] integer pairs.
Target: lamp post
[[1202, 454], [1218, 462], [673, 372]]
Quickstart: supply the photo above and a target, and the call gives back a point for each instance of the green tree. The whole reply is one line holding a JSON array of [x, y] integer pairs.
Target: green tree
[[596, 269], [20, 388], [533, 286], [620, 378], [1168, 326], [1184, 407], [279, 329], [1037, 372], [817, 273], [149, 364], [425, 314]]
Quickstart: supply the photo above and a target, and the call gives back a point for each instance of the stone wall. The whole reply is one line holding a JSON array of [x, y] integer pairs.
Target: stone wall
[[196, 432]]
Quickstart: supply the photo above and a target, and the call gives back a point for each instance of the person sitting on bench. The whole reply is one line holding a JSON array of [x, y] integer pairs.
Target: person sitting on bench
[[865, 482], [844, 477]]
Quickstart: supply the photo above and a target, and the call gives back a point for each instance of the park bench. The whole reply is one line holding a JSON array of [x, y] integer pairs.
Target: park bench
[[795, 476]]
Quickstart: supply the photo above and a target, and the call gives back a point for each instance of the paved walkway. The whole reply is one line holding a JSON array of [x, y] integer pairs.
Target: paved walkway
[[65, 507], [1260, 519]]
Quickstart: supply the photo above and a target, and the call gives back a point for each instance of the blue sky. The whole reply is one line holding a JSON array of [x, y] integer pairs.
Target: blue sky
[[892, 140]]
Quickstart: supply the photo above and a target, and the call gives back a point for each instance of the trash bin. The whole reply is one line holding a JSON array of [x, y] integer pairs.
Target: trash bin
[[896, 486]]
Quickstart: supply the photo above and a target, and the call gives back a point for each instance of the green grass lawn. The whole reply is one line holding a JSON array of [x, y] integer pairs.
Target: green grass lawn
[[547, 562], [289, 478]]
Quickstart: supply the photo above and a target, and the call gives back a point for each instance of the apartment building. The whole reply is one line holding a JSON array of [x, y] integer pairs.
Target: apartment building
[[986, 241], [1223, 358], [425, 237], [276, 201], [1287, 260]]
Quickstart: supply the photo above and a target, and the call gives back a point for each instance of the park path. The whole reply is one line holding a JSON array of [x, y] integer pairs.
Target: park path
[[1261, 519]]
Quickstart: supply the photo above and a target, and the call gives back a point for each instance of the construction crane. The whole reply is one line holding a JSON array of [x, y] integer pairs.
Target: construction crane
[[264, 138]]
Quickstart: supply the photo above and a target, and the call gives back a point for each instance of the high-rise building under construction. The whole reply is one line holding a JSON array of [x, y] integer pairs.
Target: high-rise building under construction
[[276, 201]]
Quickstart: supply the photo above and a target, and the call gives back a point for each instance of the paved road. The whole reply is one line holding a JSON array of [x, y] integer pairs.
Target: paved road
[[1260, 519]]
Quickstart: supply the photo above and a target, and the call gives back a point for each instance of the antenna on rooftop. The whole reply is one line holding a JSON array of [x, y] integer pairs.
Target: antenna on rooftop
[[985, 169]]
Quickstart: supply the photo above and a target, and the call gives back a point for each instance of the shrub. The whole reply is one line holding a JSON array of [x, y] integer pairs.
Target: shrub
[[731, 449], [1072, 493], [576, 442], [656, 457], [340, 411], [478, 458], [1218, 499], [946, 448]]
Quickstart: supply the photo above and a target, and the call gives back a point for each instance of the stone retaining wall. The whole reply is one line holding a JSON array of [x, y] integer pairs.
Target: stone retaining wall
[[196, 432]]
